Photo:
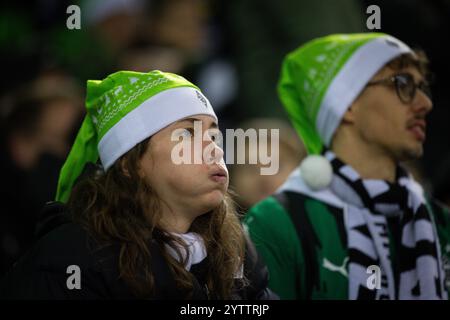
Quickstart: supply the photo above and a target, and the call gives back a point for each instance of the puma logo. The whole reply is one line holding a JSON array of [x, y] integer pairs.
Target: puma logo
[[332, 267]]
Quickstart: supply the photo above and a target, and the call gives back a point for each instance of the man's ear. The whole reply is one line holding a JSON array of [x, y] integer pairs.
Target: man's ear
[[349, 115]]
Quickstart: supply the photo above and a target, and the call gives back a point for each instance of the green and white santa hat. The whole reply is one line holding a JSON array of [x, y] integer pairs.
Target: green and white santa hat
[[320, 80], [123, 110]]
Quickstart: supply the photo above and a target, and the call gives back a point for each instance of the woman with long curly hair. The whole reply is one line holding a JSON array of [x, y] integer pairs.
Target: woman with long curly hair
[[141, 223]]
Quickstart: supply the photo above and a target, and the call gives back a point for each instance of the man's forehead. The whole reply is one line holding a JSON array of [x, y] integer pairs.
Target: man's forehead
[[387, 71]]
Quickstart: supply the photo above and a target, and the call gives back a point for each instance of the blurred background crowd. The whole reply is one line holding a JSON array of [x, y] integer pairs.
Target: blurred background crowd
[[232, 49]]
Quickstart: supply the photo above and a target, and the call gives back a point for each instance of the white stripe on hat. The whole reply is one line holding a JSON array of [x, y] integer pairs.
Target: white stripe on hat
[[151, 116], [352, 79]]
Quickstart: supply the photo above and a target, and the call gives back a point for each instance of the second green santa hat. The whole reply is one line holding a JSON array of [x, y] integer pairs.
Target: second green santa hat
[[320, 80]]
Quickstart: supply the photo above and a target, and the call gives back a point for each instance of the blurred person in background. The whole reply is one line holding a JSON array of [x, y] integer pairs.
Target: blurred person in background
[[184, 37], [37, 124], [351, 222], [172, 37], [115, 23], [246, 179], [261, 32]]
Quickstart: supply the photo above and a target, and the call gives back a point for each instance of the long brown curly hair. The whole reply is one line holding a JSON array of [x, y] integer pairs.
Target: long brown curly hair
[[122, 208]]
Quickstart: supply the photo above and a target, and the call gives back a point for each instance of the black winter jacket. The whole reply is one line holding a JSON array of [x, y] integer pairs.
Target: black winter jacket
[[44, 272]]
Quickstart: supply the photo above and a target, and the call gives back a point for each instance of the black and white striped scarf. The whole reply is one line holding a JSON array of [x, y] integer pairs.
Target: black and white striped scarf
[[418, 272]]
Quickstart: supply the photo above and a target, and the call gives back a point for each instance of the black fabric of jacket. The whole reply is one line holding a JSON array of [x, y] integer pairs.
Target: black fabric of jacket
[[43, 272]]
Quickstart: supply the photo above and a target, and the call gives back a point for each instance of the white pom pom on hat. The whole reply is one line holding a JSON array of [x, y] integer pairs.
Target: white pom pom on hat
[[316, 171]]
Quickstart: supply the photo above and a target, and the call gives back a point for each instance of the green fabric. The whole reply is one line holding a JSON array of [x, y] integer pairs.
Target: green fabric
[[441, 216], [275, 238], [107, 102], [332, 284], [306, 76], [84, 150]]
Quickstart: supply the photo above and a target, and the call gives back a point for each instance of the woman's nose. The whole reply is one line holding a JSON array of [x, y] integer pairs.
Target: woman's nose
[[212, 151]]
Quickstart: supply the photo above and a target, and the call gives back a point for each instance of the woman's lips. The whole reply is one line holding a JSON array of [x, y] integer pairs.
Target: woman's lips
[[219, 175]]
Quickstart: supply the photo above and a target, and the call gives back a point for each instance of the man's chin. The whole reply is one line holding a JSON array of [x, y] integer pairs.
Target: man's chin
[[412, 153]]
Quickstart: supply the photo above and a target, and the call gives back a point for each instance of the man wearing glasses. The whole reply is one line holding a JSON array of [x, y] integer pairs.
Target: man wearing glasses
[[350, 222]]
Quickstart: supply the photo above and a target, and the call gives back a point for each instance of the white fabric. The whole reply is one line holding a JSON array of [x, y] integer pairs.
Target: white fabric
[[295, 183], [375, 187], [197, 252], [195, 245], [154, 114]]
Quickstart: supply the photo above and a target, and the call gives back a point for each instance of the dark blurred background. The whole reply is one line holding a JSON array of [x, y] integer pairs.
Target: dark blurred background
[[232, 49]]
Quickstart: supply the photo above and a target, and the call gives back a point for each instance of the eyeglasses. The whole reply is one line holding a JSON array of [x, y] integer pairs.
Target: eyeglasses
[[405, 86]]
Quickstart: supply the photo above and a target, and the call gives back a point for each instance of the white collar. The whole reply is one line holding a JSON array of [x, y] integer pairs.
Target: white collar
[[195, 245]]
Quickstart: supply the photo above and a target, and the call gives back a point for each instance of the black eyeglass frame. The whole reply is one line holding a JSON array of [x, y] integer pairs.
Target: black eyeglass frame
[[407, 80]]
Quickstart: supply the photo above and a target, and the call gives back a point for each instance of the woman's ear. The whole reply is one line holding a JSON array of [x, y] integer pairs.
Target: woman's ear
[[124, 167]]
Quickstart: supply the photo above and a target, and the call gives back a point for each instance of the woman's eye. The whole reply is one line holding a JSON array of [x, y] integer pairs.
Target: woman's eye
[[213, 134], [187, 132]]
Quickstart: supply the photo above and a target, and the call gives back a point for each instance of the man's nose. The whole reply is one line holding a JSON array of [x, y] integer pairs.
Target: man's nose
[[422, 102]]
